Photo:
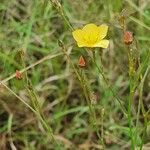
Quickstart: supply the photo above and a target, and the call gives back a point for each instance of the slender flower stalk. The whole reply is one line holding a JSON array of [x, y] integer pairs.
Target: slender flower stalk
[[100, 70], [35, 102], [142, 107], [60, 10], [128, 39], [83, 82], [45, 125]]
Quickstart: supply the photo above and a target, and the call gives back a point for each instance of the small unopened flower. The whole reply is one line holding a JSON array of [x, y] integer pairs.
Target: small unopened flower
[[128, 37], [81, 61], [18, 75], [91, 35], [93, 98]]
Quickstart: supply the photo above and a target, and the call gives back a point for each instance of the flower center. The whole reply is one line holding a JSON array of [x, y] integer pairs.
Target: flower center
[[90, 38]]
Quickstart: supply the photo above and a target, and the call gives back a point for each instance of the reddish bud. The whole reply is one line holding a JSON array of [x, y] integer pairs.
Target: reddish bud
[[128, 37], [81, 62], [18, 75]]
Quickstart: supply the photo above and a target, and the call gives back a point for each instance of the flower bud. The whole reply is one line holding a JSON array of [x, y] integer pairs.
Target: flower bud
[[18, 75], [128, 37], [81, 62]]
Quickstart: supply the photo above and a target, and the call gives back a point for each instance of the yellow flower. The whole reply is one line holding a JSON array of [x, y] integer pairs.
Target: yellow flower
[[91, 36]]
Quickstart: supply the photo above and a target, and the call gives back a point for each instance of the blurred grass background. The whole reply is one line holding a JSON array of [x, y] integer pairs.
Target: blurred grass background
[[35, 27]]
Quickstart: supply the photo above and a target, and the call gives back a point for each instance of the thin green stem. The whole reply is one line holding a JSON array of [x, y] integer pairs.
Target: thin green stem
[[131, 97], [142, 107], [85, 89], [130, 118], [61, 11], [41, 118], [110, 88], [35, 102], [23, 101], [93, 113]]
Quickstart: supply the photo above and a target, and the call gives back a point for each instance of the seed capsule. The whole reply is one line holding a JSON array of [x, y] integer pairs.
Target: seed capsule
[[128, 37], [18, 75]]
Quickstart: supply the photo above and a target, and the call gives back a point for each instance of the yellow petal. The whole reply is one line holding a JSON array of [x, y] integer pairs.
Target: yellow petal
[[91, 33], [81, 44], [103, 29], [78, 36], [102, 43], [90, 27]]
